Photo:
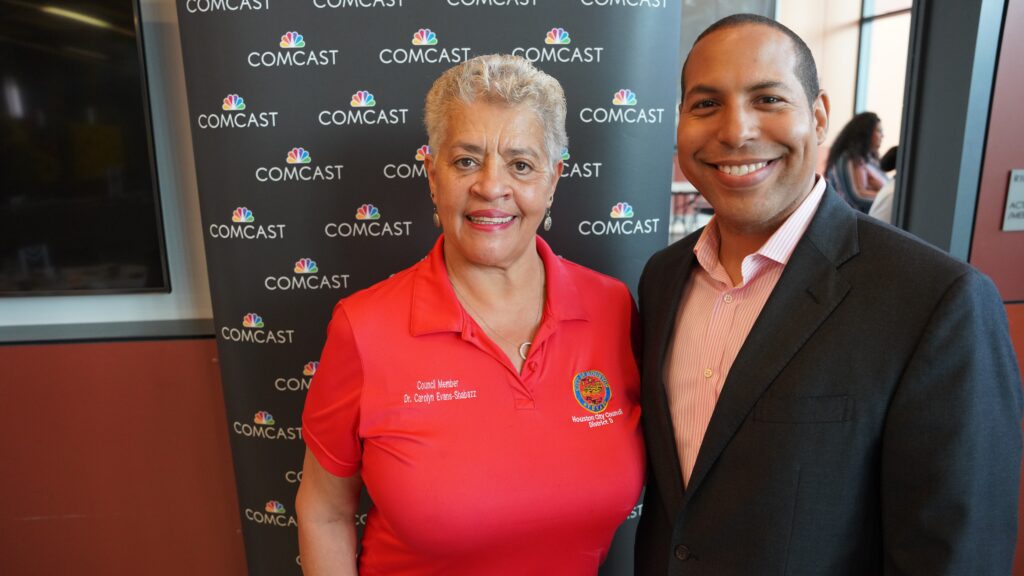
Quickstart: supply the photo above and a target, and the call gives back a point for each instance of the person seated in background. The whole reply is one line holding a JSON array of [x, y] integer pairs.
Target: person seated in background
[[488, 396], [881, 208], [852, 167]]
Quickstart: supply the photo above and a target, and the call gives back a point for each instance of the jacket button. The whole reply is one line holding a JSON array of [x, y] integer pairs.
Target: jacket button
[[682, 553]]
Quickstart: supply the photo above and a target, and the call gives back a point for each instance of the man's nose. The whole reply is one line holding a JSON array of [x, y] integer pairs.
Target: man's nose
[[738, 126]]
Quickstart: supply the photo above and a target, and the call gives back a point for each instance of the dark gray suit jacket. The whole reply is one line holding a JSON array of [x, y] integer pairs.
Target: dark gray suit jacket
[[871, 423]]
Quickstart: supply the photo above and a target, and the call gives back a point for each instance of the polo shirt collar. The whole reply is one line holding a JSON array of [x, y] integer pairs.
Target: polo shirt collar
[[435, 307]]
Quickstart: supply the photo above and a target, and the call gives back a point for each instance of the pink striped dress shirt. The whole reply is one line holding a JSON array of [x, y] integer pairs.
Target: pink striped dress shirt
[[715, 318]]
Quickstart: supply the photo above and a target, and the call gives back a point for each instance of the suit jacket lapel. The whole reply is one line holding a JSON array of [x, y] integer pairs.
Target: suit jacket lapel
[[663, 312], [807, 292]]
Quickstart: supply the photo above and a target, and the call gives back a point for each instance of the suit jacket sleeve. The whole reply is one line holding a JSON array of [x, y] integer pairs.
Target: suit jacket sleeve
[[951, 450]]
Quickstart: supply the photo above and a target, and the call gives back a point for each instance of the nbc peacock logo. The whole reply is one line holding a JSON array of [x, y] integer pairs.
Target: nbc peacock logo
[[292, 40], [233, 103], [242, 214], [307, 276], [234, 113], [424, 50], [624, 110], [579, 169], [409, 169], [424, 37], [622, 210], [252, 331], [305, 266], [292, 52], [557, 48], [252, 320], [272, 514], [310, 368], [362, 99], [622, 223], [367, 212], [368, 222], [295, 383], [624, 97], [298, 168], [557, 36], [264, 426], [264, 418], [363, 110], [298, 156], [245, 228]]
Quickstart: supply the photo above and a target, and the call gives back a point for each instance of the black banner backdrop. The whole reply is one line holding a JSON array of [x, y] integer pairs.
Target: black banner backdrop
[[306, 120]]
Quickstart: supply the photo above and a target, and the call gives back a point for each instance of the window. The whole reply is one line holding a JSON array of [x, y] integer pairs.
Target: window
[[882, 63]]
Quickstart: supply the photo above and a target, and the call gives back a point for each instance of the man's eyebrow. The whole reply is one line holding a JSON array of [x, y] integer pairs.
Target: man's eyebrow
[[707, 90], [702, 89], [766, 85]]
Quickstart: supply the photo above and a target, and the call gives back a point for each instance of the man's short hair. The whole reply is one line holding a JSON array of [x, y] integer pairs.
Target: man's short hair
[[806, 71]]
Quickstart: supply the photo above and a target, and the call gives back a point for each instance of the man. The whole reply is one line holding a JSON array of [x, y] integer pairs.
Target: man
[[822, 393]]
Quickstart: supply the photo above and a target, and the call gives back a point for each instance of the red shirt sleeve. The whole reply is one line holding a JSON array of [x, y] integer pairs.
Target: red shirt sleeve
[[330, 419]]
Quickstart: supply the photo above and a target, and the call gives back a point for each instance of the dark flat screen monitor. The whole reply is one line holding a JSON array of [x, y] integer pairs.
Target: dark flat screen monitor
[[79, 203]]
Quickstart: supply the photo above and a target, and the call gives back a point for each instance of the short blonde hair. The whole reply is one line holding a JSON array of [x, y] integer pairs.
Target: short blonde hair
[[501, 79]]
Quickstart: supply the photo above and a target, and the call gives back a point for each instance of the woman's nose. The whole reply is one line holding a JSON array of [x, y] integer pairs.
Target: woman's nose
[[492, 180]]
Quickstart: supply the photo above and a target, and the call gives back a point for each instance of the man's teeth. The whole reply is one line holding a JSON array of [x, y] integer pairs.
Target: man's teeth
[[742, 170], [487, 220]]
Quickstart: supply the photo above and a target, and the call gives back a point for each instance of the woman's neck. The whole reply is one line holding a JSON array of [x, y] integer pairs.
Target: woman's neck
[[490, 285], [507, 303]]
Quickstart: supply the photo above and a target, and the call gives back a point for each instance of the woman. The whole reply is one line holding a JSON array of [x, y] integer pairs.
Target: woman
[[487, 396], [852, 166]]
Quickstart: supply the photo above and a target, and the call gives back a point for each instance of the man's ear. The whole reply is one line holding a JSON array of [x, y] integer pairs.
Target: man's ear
[[821, 110]]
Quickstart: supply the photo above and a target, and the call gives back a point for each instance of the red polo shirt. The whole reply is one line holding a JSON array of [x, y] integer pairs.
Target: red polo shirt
[[474, 468]]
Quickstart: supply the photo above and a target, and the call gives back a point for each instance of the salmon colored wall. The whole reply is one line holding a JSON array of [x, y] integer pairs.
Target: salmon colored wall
[[1015, 312], [116, 461], [996, 253], [993, 251]]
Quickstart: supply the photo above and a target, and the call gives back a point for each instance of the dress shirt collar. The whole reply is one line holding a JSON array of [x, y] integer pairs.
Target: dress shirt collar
[[778, 248]]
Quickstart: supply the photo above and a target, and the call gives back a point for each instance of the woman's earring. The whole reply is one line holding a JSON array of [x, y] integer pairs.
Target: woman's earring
[[547, 220], [437, 219]]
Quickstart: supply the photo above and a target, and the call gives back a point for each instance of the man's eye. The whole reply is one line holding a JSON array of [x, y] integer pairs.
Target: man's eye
[[770, 99], [465, 162], [521, 167], [704, 104]]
